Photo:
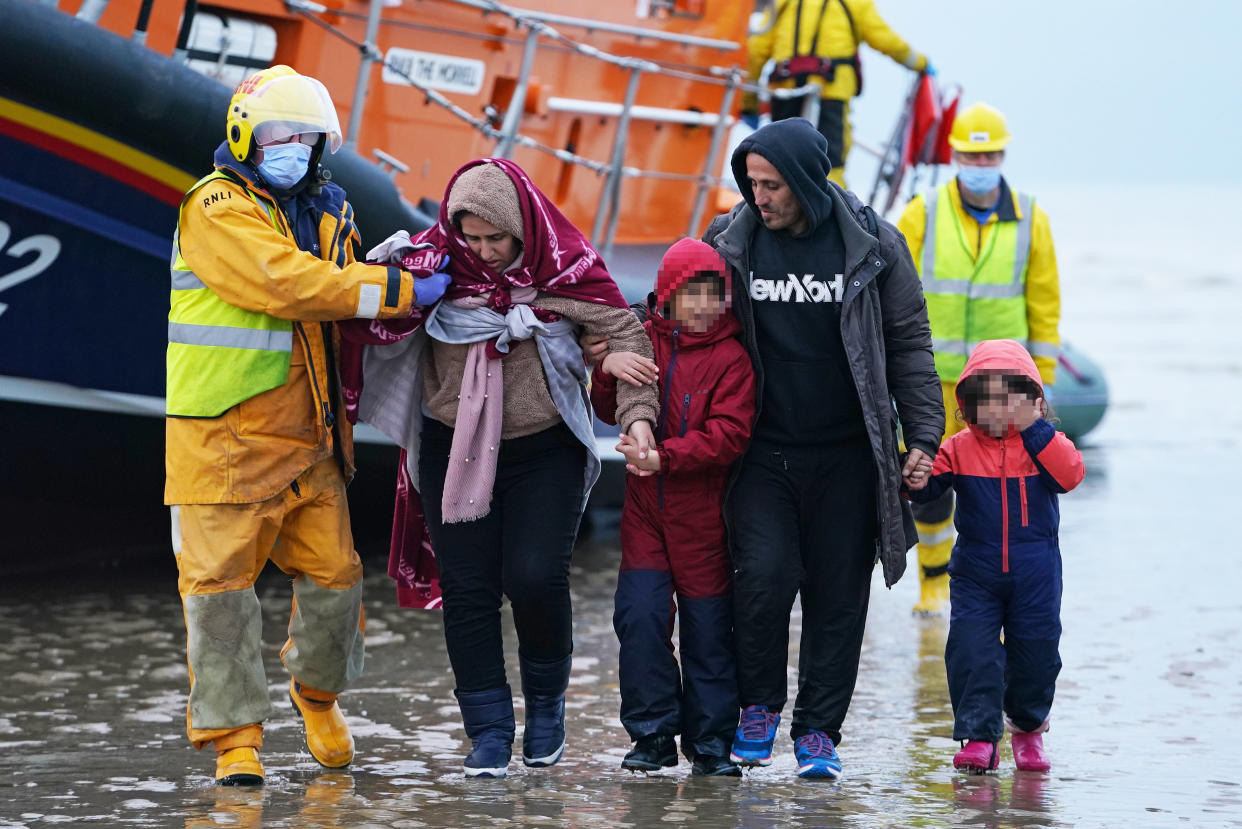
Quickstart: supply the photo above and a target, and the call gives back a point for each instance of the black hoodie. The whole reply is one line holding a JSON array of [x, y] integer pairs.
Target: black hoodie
[[796, 286]]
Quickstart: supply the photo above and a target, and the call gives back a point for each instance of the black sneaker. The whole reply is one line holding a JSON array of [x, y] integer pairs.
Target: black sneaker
[[651, 753], [709, 765]]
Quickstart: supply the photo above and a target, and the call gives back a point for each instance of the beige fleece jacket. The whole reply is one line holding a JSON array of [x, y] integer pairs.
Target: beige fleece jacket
[[528, 403]]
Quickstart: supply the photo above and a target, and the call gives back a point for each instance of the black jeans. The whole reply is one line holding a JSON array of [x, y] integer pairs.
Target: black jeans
[[831, 123], [802, 519], [521, 549]]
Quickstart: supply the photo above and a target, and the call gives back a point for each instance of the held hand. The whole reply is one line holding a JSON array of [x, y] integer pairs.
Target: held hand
[[428, 289], [630, 367], [594, 348], [643, 467], [917, 470], [644, 440]]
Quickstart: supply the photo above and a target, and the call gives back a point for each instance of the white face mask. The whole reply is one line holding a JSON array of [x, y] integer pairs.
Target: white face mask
[[284, 165]]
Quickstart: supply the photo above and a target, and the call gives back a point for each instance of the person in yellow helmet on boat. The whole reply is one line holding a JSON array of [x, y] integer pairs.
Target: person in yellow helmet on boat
[[820, 39], [985, 255], [258, 447]]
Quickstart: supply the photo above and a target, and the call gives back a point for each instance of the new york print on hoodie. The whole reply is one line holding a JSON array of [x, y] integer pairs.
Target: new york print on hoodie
[[796, 286]]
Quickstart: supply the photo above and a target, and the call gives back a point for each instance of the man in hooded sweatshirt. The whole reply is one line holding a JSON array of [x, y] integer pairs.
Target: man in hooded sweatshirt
[[833, 317]]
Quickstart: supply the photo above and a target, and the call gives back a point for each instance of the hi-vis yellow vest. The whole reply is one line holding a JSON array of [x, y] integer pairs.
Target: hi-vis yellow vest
[[219, 354], [969, 300]]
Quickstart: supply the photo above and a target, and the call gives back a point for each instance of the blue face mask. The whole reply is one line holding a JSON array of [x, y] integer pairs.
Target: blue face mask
[[979, 180], [284, 165]]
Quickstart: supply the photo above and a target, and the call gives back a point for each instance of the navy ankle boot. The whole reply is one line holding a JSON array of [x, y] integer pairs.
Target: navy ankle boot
[[488, 718], [543, 685]]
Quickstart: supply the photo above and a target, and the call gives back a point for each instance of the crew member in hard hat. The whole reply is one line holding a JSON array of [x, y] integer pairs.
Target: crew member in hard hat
[[984, 253], [258, 449], [820, 39]]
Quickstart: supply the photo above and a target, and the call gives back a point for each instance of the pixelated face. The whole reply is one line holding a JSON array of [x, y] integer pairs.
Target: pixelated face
[[1002, 403], [497, 248], [778, 206], [697, 305]]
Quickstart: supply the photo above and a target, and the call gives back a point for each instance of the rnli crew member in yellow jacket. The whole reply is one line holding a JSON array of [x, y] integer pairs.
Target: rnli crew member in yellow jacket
[[989, 271], [820, 39], [258, 447]]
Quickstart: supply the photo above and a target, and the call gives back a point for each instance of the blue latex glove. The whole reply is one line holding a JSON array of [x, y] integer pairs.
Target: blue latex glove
[[428, 289], [930, 70], [751, 119]]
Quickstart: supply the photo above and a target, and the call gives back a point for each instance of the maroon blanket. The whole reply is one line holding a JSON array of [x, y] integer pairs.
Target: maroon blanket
[[556, 258]]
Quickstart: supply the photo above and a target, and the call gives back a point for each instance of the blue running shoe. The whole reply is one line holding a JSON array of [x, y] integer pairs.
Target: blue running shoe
[[817, 756], [752, 744]]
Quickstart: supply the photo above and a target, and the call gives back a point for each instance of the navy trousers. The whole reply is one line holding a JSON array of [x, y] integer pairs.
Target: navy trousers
[[1016, 676], [697, 701], [802, 522]]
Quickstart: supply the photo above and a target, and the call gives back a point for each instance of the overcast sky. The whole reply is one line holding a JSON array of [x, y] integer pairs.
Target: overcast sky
[[1095, 91]]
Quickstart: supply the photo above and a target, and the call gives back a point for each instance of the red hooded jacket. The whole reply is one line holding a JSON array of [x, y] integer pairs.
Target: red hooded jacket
[[673, 521], [1006, 487], [707, 391]]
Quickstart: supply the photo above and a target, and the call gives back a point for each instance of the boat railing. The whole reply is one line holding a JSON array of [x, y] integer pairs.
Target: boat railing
[[614, 171]]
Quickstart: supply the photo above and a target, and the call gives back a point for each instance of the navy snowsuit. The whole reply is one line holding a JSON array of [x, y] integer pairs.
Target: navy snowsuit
[[1005, 570]]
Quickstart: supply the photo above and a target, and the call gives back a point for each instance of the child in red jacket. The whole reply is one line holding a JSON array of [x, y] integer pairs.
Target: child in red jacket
[[1005, 572], [672, 529]]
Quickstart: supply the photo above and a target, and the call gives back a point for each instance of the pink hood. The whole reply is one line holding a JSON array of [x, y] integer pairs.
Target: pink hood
[[1007, 356]]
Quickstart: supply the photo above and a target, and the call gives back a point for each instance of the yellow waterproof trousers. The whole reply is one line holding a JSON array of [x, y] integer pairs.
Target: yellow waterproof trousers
[[221, 549]]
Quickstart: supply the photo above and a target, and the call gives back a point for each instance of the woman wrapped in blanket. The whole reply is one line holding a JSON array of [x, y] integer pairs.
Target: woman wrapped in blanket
[[486, 393]]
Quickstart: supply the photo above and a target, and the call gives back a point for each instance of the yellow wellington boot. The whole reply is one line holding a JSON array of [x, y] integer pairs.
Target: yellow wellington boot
[[327, 733], [239, 767], [935, 548], [933, 594]]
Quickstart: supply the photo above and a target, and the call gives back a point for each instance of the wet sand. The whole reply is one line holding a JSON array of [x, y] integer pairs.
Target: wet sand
[[1145, 728]]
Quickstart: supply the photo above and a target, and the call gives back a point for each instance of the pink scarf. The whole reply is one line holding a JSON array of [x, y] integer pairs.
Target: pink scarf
[[557, 259]]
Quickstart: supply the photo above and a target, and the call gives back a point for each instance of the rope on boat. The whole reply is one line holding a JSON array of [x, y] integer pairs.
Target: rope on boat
[[484, 125]]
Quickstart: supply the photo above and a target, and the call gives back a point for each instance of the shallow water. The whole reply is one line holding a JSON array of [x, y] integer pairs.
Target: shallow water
[[1145, 726]]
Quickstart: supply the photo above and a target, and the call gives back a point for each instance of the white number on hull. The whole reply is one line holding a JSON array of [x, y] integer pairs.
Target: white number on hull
[[47, 248]]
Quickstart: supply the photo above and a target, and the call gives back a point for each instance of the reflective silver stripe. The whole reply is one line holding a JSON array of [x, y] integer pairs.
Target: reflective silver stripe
[[983, 290], [1041, 349], [175, 510], [929, 240], [1022, 247], [949, 346], [965, 348], [974, 290], [942, 535], [229, 337], [186, 281]]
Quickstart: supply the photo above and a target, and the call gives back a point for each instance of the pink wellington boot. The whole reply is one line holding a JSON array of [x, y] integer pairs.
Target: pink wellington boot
[[1028, 751], [977, 756]]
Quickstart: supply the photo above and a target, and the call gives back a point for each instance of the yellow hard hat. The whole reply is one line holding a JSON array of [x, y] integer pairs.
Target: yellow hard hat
[[979, 129], [275, 103]]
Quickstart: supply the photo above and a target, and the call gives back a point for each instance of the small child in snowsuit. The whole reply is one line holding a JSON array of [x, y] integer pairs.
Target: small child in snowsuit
[[1005, 571], [672, 529]]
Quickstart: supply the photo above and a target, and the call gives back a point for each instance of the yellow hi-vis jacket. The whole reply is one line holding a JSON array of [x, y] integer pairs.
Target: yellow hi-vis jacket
[[253, 389], [842, 25], [992, 281]]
